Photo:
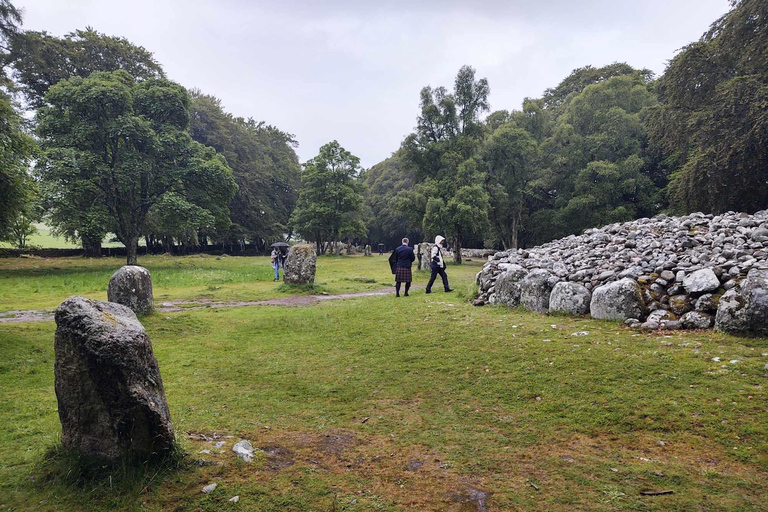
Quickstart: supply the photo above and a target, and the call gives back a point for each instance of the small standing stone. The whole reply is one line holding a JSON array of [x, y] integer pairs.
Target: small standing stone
[[300, 265], [131, 286]]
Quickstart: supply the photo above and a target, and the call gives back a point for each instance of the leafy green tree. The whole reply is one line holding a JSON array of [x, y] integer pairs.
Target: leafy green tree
[[16, 151], [383, 182], [264, 165], [128, 140], [449, 195], [330, 201], [22, 224], [711, 122], [40, 60], [509, 156]]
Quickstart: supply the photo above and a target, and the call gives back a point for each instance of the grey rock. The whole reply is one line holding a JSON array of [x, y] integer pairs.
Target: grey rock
[[680, 304], [706, 303], [755, 292], [671, 325], [535, 289], [244, 450], [696, 320], [731, 314], [618, 300], [108, 386], [649, 325], [210, 488], [131, 286], [300, 265], [508, 285], [667, 275], [569, 298], [659, 315], [701, 281]]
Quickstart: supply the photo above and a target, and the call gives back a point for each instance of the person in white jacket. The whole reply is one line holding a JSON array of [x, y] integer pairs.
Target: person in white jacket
[[437, 263]]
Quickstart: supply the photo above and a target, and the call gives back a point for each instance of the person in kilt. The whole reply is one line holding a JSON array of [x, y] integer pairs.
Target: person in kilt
[[401, 260]]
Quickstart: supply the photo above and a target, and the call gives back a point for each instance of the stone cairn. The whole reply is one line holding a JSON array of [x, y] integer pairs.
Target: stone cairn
[[131, 286], [110, 394], [690, 272], [300, 264]]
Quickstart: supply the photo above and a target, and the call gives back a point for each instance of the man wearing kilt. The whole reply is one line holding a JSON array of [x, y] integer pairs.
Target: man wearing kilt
[[402, 257]]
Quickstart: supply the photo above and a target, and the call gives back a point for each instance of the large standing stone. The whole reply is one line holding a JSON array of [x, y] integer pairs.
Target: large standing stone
[[535, 289], [300, 264], [131, 286], [701, 281], [108, 386], [508, 285], [569, 298], [618, 300]]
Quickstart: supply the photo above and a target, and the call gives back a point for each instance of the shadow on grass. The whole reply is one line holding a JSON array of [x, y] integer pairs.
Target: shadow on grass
[[71, 470]]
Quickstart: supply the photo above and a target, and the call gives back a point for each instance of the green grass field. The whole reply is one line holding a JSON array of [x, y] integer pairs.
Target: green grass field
[[44, 239], [385, 404]]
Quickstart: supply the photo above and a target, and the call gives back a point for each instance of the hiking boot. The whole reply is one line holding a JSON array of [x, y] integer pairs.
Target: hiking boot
[[448, 290], [429, 291]]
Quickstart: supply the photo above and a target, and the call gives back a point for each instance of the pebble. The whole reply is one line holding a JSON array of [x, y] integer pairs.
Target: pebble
[[234, 499], [210, 488]]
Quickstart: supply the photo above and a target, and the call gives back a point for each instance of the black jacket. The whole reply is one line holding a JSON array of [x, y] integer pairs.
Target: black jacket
[[401, 257]]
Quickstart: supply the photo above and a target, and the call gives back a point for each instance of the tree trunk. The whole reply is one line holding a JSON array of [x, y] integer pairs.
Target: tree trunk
[[132, 249], [515, 228], [457, 250], [91, 246]]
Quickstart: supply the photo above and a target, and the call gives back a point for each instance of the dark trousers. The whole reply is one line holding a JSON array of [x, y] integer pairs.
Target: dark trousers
[[435, 271]]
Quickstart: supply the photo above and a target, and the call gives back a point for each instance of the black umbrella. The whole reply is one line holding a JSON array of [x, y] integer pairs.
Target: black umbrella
[[279, 244]]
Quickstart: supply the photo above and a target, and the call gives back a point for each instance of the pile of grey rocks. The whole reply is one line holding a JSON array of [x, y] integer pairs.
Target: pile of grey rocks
[[692, 272]]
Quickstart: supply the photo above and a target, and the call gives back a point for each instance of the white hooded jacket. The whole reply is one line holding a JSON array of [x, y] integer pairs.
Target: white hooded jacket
[[436, 255]]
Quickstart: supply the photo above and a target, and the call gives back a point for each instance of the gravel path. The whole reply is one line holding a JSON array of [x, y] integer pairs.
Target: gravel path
[[45, 315]]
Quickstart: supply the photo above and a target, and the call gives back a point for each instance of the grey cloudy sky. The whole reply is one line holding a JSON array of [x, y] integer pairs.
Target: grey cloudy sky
[[352, 70]]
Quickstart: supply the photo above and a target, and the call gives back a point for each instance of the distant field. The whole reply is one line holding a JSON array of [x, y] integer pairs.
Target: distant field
[[45, 240]]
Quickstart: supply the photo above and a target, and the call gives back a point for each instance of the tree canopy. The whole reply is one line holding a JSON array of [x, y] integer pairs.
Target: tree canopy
[[330, 204], [126, 142], [712, 119]]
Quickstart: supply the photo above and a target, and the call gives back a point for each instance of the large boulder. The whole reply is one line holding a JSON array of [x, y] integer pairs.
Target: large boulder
[[569, 298], [618, 300], [696, 320], [731, 314], [535, 289], [131, 286], [508, 285], [701, 281], [755, 291], [108, 386], [300, 265]]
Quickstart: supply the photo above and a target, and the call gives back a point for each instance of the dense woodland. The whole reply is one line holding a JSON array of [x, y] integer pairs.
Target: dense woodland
[[116, 147]]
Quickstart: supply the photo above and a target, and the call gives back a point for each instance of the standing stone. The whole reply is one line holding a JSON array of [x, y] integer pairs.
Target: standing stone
[[108, 386], [618, 300], [300, 264], [367, 250], [508, 286], [535, 289], [569, 298], [131, 286], [701, 281]]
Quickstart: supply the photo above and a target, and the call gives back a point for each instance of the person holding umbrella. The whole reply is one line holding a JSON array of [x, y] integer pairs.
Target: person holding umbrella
[[278, 257]]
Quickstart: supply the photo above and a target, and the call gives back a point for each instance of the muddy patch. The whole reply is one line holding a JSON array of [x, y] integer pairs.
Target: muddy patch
[[337, 441], [30, 315], [471, 498], [414, 465], [278, 457]]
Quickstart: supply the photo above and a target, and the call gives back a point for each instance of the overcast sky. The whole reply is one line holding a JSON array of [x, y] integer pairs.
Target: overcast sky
[[352, 70]]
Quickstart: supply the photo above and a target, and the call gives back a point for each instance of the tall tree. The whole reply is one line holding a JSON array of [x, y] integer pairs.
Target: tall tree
[[16, 146], [449, 196], [128, 140], [712, 120], [40, 60], [330, 201], [264, 165]]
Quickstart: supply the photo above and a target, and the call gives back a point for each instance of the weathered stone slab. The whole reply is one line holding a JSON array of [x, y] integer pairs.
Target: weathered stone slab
[[618, 300], [110, 394], [131, 286], [569, 298], [301, 264]]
